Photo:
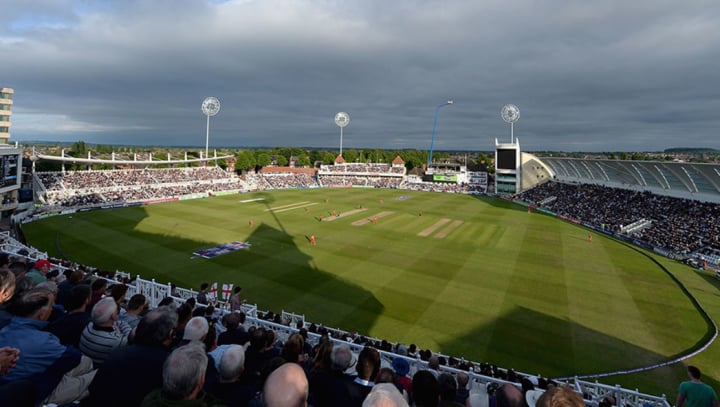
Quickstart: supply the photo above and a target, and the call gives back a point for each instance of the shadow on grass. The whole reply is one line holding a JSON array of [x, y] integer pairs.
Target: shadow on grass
[[500, 203], [535, 343], [273, 271], [709, 276]]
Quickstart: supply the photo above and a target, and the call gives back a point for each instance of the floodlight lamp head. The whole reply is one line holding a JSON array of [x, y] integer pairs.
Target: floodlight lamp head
[[342, 119], [210, 106], [450, 102], [510, 113]]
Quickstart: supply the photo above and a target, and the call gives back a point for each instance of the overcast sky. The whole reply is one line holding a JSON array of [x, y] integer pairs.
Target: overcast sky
[[640, 75]]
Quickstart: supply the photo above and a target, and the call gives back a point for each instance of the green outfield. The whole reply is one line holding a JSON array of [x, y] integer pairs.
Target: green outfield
[[472, 277]]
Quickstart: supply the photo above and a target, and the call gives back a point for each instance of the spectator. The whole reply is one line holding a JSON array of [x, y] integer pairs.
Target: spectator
[[19, 268], [448, 391], [18, 392], [202, 294], [257, 355], [294, 349], [234, 331], [195, 330], [235, 301], [508, 395], [99, 286], [387, 375], [39, 271], [137, 305], [7, 289], [462, 391], [433, 365], [69, 327], [61, 373], [352, 393], [66, 286], [117, 292], [384, 395], [184, 314], [103, 334], [228, 389], [287, 386], [560, 396], [136, 368], [183, 378], [696, 393], [425, 389], [402, 368]]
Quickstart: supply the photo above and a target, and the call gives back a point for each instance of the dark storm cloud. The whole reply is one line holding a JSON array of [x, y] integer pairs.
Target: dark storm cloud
[[586, 76]]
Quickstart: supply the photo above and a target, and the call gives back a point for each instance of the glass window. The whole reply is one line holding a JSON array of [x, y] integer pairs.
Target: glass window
[[4, 107], [4, 118], [4, 129], [5, 96]]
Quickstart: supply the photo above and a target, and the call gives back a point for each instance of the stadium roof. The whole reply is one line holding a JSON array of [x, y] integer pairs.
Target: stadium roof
[[687, 180]]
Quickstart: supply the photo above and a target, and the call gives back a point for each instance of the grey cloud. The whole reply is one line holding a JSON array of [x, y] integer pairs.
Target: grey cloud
[[598, 76]]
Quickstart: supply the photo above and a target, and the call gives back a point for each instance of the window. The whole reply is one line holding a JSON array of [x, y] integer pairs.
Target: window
[[4, 107], [4, 129]]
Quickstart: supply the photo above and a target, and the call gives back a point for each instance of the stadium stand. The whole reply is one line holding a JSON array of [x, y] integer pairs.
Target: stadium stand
[[683, 227], [94, 188]]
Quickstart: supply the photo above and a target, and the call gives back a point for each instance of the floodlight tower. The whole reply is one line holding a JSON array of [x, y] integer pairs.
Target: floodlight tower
[[342, 119], [510, 113], [437, 113], [210, 107]]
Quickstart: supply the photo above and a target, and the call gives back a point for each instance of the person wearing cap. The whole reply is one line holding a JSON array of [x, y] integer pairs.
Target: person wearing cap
[[402, 368], [39, 271]]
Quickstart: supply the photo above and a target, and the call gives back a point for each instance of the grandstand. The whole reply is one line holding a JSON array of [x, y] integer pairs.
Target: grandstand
[[682, 222]]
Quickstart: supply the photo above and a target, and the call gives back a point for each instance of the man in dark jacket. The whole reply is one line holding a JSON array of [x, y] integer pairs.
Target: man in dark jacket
[[131, 372]]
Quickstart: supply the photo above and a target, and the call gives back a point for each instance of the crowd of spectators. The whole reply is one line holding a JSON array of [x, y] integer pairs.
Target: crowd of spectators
[[72, 336], [361, 168], [75, 180], [362, 175], [449, 187], [88, 188], [680, 225], [336, 180], [115, 187], [275, 180]]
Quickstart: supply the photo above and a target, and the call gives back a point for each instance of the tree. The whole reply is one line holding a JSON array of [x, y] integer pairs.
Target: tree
[[78, 149], [263, 159], [245, 160], [303, 161], [281, 160], [328, 158]]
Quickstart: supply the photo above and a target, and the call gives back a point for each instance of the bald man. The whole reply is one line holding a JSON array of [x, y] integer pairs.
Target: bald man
[[287, 386]]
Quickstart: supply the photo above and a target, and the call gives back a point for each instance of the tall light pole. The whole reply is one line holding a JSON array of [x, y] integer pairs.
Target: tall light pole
[[210, 107], [342, 119], [437, 112]]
